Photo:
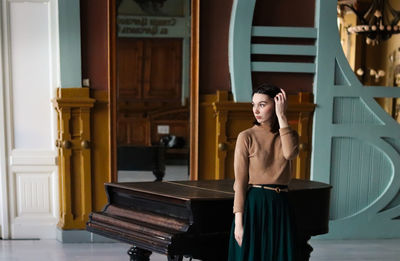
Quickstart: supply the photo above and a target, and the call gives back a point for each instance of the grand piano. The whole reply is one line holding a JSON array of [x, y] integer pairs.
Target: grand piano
[[193, 218]]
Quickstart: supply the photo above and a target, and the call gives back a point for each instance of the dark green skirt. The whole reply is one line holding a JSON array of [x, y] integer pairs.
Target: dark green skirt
[[268, 230]]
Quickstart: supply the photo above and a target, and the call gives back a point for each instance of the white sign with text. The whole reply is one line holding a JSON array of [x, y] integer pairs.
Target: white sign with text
[[151, 26]]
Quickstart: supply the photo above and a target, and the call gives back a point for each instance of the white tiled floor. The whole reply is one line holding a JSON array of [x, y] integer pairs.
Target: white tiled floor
[[52, 250], [351, 250]]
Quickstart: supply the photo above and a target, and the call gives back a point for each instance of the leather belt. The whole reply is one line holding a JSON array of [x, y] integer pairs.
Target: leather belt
[[276, 189]]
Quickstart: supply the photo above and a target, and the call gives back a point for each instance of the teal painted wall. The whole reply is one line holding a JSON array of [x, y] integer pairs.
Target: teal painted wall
[[70, 43]]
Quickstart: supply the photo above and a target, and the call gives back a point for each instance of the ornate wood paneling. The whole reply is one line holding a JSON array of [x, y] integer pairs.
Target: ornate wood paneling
[[176, 118], [149, 69], [142, 129], [74, 141], [130, 68], [149, 80], [163, 67], [134, 131]]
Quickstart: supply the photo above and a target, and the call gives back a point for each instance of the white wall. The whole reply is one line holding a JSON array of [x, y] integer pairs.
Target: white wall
[[30, 73], [3, 170]]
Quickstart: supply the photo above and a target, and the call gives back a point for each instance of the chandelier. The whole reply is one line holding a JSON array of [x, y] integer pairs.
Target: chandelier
[[378, 22]]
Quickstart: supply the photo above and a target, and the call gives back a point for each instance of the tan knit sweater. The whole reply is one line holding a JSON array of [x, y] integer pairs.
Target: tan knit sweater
[[262, 157]]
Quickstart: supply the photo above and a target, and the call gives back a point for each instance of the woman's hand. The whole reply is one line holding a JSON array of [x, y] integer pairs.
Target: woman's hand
[[239, 228], [280, 104], [280, 108]]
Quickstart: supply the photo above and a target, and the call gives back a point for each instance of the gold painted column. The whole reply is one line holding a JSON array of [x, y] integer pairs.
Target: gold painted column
[[75, 183]]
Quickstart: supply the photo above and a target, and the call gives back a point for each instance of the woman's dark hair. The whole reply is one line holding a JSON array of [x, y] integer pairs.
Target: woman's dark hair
[[271, 91]]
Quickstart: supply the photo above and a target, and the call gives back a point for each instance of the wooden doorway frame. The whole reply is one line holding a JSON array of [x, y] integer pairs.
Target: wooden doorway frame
[[194, 87]]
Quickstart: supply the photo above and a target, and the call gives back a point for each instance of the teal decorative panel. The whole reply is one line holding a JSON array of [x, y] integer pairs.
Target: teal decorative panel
[[349, 150], [240, 49], [340, 78], [283, 49], [351, 110], [284, 31], [393, 204], [356, 186], [395, 143], [282, 67]]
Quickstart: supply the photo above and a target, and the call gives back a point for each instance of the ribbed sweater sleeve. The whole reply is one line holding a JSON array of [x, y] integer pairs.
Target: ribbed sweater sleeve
[[290, 143], [241, 169]]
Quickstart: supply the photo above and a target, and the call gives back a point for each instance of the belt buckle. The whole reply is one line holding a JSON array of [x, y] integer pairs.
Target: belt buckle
[[277, 190]]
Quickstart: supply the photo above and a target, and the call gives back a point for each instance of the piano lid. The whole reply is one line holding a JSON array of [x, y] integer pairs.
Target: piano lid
[[203, 189], [182, 190]]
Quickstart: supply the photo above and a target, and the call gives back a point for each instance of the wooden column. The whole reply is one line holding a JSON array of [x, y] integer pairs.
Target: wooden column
[[73, 109]]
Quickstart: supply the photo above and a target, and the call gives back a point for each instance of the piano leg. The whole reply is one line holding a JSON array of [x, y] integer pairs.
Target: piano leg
[[159, 174], [138, 254], [303, 248], [175, 258]]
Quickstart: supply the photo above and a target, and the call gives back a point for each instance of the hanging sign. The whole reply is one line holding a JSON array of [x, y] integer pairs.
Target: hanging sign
[[151, 26]]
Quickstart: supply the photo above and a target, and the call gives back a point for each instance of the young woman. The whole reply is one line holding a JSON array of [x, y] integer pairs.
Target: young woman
[[262, 228]]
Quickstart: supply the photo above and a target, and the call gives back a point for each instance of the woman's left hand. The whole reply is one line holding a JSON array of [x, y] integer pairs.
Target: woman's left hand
[[280, 104]]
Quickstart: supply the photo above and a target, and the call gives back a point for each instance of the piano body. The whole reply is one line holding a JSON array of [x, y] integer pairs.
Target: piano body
[[193, 218]]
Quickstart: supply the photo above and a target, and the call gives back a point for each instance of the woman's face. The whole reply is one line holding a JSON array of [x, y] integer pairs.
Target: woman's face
[[263, 108]]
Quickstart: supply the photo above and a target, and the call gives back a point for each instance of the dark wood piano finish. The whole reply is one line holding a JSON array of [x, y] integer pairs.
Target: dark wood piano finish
[[193, 218], [150, 158]]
